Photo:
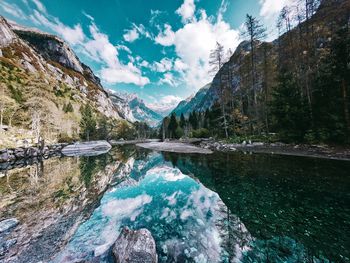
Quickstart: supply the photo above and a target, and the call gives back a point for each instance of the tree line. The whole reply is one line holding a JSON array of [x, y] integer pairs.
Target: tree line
[[94, 126], [296, 86]]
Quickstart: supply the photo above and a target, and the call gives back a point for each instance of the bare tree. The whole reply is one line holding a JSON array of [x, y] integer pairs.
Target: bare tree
[[216, 62], [36, 125]]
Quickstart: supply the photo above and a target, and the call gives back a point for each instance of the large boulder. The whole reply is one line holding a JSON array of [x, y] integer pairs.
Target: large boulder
[[135, 246]]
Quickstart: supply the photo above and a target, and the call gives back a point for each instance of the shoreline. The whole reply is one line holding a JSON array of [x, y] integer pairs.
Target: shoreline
[[299, 150]]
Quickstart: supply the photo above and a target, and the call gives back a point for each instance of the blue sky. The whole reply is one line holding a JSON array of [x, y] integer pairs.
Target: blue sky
[[158, 49]]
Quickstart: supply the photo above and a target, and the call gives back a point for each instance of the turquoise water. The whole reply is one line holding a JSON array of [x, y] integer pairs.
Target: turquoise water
[[224, 208]]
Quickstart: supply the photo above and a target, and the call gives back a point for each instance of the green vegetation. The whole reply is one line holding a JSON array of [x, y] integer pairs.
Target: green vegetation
[[87, 123], [68, 107], [16, 94]]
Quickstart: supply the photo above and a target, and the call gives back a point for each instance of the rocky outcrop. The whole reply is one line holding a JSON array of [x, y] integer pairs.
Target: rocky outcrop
[[6, 34], [52, 48], [135, 246]]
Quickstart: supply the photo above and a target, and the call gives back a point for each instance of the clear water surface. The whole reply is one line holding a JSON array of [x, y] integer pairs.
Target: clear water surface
[[224, 207]]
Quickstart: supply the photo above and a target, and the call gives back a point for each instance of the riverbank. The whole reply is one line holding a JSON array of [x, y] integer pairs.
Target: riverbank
[[315, 151]]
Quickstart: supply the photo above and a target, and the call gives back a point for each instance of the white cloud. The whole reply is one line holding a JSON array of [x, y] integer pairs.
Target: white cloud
[[179, 65], [186, 11], [193, 43], [271, 8], [101, 49], [73, 35], [165, 104], [167, 37], [12, 9], [39, 6], [164, 65], [131, 35], [123, 75], [144, 64], [123, 47], [169, 79], [88, 16]]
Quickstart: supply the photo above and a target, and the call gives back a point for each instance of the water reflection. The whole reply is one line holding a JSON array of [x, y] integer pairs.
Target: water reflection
[[217, 208], [188, 221], [51, 198], [297, 208]]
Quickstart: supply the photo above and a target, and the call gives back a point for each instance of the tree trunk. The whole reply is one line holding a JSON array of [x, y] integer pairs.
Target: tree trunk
[[345, 105]]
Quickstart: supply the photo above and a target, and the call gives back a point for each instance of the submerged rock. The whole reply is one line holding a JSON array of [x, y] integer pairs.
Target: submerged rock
[[7, 224], [135, 246]]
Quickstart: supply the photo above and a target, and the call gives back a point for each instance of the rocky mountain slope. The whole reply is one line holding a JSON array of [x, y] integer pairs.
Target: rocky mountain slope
[[187, 106], [134, 109], [39, 76]]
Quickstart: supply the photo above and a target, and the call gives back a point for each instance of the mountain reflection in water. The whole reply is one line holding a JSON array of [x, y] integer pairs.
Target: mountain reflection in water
[[217, 208]]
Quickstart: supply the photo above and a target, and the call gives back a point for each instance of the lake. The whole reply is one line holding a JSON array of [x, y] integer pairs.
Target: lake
[[223, 207]]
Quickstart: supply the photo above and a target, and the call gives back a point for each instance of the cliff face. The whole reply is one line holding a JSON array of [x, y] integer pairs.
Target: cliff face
[[41, 74], [134, 109]]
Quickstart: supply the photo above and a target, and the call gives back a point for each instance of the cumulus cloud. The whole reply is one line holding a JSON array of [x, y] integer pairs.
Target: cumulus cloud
[[169, 79], [166, 37], [193, 43], [114, 72], [187, 10], [162, 66]]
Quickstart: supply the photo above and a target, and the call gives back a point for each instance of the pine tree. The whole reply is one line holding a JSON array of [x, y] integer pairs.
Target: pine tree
[[182, 121], [289, 109], [173, 125], [255, 32], [87, 123]]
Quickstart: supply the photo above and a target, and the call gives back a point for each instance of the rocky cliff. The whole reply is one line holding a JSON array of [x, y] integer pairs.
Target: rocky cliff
[[41, 75], [134, 109]]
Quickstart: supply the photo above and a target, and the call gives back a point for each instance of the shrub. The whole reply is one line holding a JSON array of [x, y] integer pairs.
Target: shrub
[[68, 107], [200, 133], [16, 94], [65, 138]]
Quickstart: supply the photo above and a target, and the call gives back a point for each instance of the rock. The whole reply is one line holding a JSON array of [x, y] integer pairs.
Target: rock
[[91, 148], [6, 245], [4, 157], [135, 246], [19, 153], [7, 224]]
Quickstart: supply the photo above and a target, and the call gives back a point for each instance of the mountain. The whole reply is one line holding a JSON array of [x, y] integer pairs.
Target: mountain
[[40, 75], [192, 103], [235, 73], [134, 109]]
